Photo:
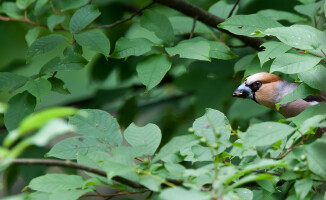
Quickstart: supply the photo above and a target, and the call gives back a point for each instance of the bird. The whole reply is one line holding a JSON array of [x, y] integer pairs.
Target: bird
[[267, 89]]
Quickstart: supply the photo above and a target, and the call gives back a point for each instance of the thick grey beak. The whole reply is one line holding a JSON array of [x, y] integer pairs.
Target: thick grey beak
[[243, 91]]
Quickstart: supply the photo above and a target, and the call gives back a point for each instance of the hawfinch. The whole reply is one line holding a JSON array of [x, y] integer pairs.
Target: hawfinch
[[268, 89]]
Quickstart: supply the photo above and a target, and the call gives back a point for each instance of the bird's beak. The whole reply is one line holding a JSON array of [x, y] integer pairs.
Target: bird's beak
[[243, 91]]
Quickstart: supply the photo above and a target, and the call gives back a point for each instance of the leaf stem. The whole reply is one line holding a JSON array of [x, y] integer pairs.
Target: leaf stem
[[233, 8]]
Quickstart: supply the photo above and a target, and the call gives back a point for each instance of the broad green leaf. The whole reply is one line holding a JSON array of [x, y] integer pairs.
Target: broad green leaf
[[58, 85], [195, 48], [254, 67], [268, 185], [248, 24], [159, 24], [183, 25], [282, 15], [68, 194], [45, 44], [272, 50], [316, 153], [125, 47], [213, 126], [299, 36], [241, 109], [56, 182], [71, 62], [98, 124], [243, 63], [310, 9], [39, 5], [54, 20], [315, 78], [11, 9], [294, 63], [11, 80], [244, 193], [82, 18], [71, 147], [222, 9], [23, 4], [220, 51], [149, 134], [69, 5], [177, 193], [137, 31], [266, 133], [174, 145], [39, 88], [38, 119], [94, 40], [151, 183], [152, 70], [303, 187], [248, 179], [300, 92], [32, 35], [20, 106]]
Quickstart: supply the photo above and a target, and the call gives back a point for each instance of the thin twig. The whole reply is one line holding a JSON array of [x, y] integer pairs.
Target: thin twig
[[70, 164], [193, 27], [123, 20], [113, 195], [53, 8], [232, 10], [3, 18]]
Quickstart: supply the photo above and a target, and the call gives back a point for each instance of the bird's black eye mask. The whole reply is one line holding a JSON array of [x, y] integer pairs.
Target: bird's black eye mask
[[254, 88]]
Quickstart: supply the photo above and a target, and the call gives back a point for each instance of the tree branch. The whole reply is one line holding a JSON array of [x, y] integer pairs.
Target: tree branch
[[232, 10], [208, 19], [123, 20], [3, 18], [193, 27], [70, 164]]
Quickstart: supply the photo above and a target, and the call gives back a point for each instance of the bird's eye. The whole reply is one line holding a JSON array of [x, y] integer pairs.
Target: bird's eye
[[258, 83]]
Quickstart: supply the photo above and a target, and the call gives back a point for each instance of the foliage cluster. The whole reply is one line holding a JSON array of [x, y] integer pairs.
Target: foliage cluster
[[159, 62]]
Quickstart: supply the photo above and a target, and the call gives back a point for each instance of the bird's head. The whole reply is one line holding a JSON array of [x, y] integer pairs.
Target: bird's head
[[261, 87]]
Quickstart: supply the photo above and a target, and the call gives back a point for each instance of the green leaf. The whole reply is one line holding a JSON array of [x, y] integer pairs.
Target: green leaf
[[45, 44], [152, 70], [299, 36], [39, 88], [243, 63], [54, 20], [177, 193], [266, 133], [98, 124], [94, 40], [244, 193], [241, 109], [310, 9], [11, 9], [71, 147], [213, 126], [303, 187], [20, 106], [159, 24], [195, 48], [300, 92], [68, 194], [125, 47], [272, 50], [38, 119], [56, 182], [82, 18], [318, 109], [174, 145], [23, 4], [183, 25], [282, 15], [58, 85], [71, 62], [149, 134], [294, 63], [32, 34], [315, 77], [11, 80], [316, 153], [220, 51], [222, 9], [151, 183], [69, 5], [248, 24], [248, 179]]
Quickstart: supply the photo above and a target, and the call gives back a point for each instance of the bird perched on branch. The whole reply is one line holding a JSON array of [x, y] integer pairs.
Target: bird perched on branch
[[268, 89]]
